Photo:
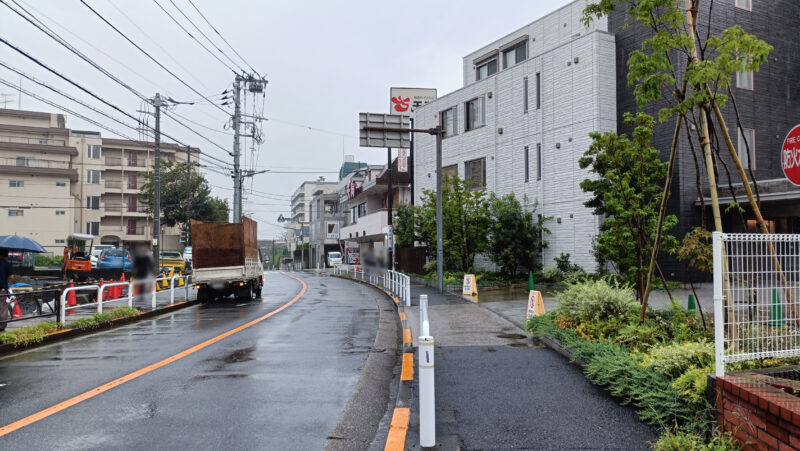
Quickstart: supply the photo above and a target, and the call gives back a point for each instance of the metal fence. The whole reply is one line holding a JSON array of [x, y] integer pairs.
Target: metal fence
[[756, 297], [396, 283]]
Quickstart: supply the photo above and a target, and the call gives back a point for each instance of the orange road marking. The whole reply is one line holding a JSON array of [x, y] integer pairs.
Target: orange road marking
[[406, 335], [42, 414], [403, 316], [407, 371], [396, 440]]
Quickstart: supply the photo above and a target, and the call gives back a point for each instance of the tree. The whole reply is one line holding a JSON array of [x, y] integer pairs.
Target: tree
[[696, 252], [627, 192], [202, 206], [404, 228], [465, 223], [515, 236], [690, 93]]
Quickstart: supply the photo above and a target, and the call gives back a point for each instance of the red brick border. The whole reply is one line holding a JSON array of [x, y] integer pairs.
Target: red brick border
[[760, 411]]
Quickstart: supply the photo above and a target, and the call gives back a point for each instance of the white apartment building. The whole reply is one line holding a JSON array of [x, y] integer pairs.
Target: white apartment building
[[301, 212], [55, 181], [522, 121]]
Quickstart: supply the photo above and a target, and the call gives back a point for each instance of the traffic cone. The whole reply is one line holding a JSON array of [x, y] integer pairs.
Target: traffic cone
[[776, 313], [17, 311], [122, 287], [180, 280], [71, 299], [531, 286], [101, 287], [692, 307]]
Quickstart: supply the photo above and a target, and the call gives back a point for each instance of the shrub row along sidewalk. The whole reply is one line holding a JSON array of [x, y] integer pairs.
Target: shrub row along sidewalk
[[659, 366]]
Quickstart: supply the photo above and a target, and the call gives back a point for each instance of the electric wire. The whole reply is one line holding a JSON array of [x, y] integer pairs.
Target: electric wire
[[223, 38]]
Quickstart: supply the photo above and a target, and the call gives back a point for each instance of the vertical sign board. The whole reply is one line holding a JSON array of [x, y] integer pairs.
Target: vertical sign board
[[402, 160], [353, 256], [331, 230], [790, 156], [406, 100], [535, 304], [470, 287]]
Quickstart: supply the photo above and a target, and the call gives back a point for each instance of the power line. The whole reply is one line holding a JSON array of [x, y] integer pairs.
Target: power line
[[222, 37], [201, 125], [192, 36], [150, 56]]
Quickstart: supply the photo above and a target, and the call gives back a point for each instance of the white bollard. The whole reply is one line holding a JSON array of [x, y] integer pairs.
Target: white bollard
[[130, 294], [408, 291], [427, 394], [423, 314], [155, 292]]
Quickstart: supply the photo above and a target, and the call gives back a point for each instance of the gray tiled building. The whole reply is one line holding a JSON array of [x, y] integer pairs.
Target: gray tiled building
[[522, 119]]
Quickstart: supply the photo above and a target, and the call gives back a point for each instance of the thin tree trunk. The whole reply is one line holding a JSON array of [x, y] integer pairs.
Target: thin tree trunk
[[696, 298], [661, 214], [664, 281]]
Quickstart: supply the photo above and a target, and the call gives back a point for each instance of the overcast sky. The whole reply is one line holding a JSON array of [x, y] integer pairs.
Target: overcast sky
[[325, 61]]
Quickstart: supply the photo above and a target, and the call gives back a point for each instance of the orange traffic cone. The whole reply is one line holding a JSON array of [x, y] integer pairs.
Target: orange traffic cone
[[17, 311], [121, 288], [101, 287], [71, 299]]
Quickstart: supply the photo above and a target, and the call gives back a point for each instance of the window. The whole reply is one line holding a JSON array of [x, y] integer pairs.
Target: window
[[16, 183], [476, 113], [448, 118], [26, 161], [16, 212], [450, 170], [93, 228], [515, 55], [362, 209], [61, 183], [747, 139], [133, 181], [527, 168], [744, 80], [538, 90], [486, 69], [475, 173], [744, 4], [61, 212], [61, 241], [538, 161], [93, 177], [353, 215], [93, 203], [93, 151], [525, 95], [43, 141]]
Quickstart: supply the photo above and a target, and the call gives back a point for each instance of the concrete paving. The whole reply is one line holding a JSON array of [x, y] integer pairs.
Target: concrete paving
[[496, 390], [282, 383]]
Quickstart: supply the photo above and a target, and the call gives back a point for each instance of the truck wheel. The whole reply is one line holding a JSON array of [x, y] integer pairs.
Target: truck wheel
[[203, 295], [258, 291]]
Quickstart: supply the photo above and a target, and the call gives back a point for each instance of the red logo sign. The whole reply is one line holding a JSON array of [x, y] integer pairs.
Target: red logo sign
[[400, 104], [790, 156]]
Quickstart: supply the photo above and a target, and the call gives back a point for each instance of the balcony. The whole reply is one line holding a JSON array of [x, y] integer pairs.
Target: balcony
[[113, 161], [370, 224], [39, 141], [34, 166], [113, 184]]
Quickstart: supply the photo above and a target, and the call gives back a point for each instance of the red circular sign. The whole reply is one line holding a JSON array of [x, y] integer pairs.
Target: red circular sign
[[790, 156]]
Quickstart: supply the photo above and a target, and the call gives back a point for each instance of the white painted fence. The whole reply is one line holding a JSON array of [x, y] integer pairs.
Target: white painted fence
[[396, 283]]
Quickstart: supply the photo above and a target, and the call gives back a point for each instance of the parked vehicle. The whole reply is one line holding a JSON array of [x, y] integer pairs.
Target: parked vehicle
[[172, 259], [187, 254], [334, 258], [116, 258], [96, 253], [227, 261], [77, 264]]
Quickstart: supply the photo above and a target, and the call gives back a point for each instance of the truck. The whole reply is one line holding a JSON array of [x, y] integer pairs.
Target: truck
[[226, 260]]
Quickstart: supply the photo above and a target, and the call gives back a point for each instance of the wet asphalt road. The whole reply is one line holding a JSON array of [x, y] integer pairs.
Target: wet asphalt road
[[280, 384]]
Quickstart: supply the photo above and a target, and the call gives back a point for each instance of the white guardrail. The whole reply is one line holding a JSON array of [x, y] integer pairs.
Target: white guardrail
[[105, 297], [400, 285], [397, 283]]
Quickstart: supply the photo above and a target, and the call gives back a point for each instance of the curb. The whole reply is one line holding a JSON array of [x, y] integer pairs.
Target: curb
[[396, 438], [556, 346], [67, 334]]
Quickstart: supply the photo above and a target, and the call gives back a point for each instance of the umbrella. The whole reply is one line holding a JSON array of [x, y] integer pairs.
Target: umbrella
[[20, 244]]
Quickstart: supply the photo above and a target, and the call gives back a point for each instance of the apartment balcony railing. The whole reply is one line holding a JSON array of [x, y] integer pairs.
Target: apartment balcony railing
[[21, 140], [135, 162], [112, 208], [34, 163], [113, 184], [136, 209], [134, 231], [113, 161]]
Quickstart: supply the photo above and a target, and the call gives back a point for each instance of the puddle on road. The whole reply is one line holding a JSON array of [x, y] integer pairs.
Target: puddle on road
[[491, 294], [512, 336], [240, 355]]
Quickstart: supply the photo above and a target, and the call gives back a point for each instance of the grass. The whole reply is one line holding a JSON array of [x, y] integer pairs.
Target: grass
[[100, 319], [29, 334]]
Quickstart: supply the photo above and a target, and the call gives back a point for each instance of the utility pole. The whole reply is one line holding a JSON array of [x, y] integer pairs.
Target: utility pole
[[254, 85], [188, 190], [439, 248], [237, 174], [390, 207], [411, 162], [157, 180]]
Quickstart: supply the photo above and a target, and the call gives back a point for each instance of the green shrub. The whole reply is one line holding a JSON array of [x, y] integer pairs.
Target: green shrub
[[692, 385], [640, 337], [99, 319], [674, 359], [683, 441], [565, 266], [597, 300], [44, 260], [551, 274], [28, 334]]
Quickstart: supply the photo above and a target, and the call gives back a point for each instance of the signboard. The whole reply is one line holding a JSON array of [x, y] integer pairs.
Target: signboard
[[790, 156], [402, 160], [375, 138], [305, 231], [470, 287], [353, 256], [535, 304], [406, 100], [331, 230]]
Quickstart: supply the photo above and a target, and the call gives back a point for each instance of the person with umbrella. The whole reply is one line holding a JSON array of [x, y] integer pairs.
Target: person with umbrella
[[6, 274]]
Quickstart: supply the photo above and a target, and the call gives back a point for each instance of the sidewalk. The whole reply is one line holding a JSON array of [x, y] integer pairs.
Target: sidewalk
[[495, 390]]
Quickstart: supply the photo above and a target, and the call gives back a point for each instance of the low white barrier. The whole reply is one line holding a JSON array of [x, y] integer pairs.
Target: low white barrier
[[395, 282]]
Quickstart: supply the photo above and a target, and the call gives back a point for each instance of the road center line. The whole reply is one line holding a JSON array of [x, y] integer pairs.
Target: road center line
[[42, 414]]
